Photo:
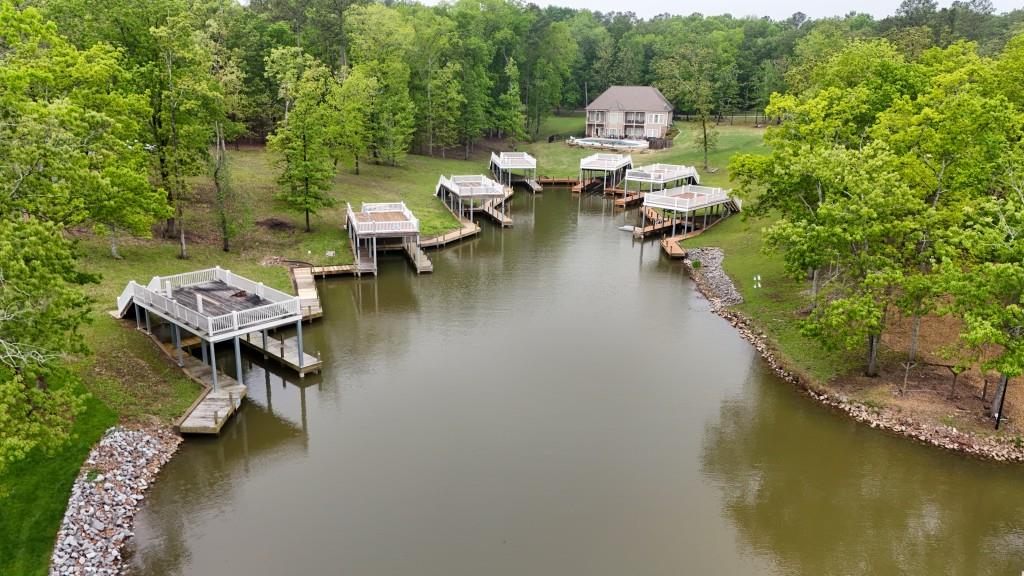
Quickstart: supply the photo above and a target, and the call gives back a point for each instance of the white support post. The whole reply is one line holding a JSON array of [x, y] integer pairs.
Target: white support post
[[177, 345], [238, 361], [234, 319], [298, 342], [213, 365]]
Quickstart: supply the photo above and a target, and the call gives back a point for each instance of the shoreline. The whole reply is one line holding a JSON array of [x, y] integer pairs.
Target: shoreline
[[106, 496], [716, 286]]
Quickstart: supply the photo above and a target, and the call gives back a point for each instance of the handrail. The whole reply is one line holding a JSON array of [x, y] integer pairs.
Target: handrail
[[411, 224], [669, 199], [214, 325]]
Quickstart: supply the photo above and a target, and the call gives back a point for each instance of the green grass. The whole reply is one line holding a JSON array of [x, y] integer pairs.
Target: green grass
[[38, 495], [776, 306], [565, 123]]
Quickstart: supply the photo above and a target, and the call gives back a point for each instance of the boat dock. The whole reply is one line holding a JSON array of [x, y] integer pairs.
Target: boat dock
[[418, 258], [469, 228], [283, 350]]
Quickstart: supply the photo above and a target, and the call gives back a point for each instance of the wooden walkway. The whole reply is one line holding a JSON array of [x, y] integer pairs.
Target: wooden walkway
[[304, 283], [468, 229], [533, 185], [209, 413], [629, 199], [283, 350], [671, 245], [557, 182]]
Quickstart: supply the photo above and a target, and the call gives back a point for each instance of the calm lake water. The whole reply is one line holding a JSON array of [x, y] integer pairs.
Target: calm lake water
[[557, 400]]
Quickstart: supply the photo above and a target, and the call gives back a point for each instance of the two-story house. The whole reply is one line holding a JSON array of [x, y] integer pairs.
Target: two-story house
[[629, 112]]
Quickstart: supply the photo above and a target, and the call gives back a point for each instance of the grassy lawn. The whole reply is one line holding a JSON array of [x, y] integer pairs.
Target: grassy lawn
[[38, 495], [558, 159]]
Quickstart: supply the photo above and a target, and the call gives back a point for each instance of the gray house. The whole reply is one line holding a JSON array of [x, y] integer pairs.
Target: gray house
[[629, 112]]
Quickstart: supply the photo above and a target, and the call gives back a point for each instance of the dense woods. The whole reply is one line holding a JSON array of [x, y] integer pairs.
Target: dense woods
[[897, 168]]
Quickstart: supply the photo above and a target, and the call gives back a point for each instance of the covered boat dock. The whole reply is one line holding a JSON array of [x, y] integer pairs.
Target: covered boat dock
[[510, 168], [207, 307], [383, 226], [602, 171], [651, 178], [468, 194], [692, 207]]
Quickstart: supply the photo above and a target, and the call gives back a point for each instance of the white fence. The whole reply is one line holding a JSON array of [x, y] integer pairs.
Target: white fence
[[408, 226], [156, 296], [703, 197], [514, 161]]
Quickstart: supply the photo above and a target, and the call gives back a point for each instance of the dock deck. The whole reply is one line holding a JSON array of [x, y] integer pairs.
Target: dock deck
[[671, 245], [558, 182], [418, 258], [467, 230], [285, 351]]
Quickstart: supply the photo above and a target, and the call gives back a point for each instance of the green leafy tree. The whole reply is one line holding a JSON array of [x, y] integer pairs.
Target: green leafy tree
[[509, 113], [351, 104], [302, 141]]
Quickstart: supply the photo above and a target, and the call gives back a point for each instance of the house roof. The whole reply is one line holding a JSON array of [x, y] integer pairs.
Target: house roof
[[626, 98]]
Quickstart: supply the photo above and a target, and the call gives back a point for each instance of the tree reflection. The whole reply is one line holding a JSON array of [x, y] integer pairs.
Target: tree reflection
[[825, 495]]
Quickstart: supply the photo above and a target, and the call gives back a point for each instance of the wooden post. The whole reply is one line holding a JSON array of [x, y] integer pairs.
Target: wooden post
[[138, 316], [264, 331], [202, 346], [148, 329]]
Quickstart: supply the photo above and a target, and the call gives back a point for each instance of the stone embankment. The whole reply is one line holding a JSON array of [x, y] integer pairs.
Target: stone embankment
[[720, 291], [105, 497]]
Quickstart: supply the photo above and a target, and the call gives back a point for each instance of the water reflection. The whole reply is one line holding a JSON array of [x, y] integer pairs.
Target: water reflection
[[824, 495]]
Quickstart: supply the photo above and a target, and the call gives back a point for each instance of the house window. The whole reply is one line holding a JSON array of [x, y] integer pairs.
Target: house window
[[653, 133], [615, 117], [658, 119]]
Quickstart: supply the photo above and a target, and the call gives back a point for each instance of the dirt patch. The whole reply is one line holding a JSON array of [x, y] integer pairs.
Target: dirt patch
[[276, 224]]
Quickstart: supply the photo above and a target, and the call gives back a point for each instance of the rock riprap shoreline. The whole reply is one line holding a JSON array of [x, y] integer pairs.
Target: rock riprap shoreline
[[718, 288], [105, 497]]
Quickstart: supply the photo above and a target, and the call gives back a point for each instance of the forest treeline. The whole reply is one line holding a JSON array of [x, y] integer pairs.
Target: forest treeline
[[109, 110]]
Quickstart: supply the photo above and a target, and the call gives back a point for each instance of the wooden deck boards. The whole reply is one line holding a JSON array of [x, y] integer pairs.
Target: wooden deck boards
[[218, 298], [419, 259], [490, 209], [284, 351], [305, 288], [672, 247]]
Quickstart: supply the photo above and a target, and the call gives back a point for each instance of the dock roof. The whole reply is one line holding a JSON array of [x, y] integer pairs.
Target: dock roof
[[214, 303], [686, 198], [606, 162], [514, 161], [383, 219], [473, 186], [662, 173]]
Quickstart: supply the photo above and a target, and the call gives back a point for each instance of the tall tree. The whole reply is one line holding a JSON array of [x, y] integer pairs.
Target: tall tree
[[302, 140], [510, 119]]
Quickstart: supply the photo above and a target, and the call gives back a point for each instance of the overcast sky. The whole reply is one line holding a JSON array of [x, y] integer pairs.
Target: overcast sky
[[777, 9]]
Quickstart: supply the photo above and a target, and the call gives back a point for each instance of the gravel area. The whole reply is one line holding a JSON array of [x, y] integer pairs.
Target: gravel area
[[105, 497], [712, 280]]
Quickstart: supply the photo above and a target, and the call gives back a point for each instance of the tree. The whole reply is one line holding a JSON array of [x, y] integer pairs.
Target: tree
[[447, 103], [70, 141], [509, 117], [41, 309], [302, 141], [351, 104]]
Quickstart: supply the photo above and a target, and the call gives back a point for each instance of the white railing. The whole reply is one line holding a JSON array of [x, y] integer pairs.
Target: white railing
[[409, 225], [257, 288], [606, 162], [514, 160], [125, 297], [661, 173], [475, 185], [286, 307], [703, 196]]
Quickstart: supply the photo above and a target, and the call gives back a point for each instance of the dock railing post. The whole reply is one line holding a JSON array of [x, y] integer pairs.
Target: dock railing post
[[177, 345]]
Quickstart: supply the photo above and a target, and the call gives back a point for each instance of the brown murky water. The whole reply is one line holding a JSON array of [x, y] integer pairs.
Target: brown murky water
[[555, 400]]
